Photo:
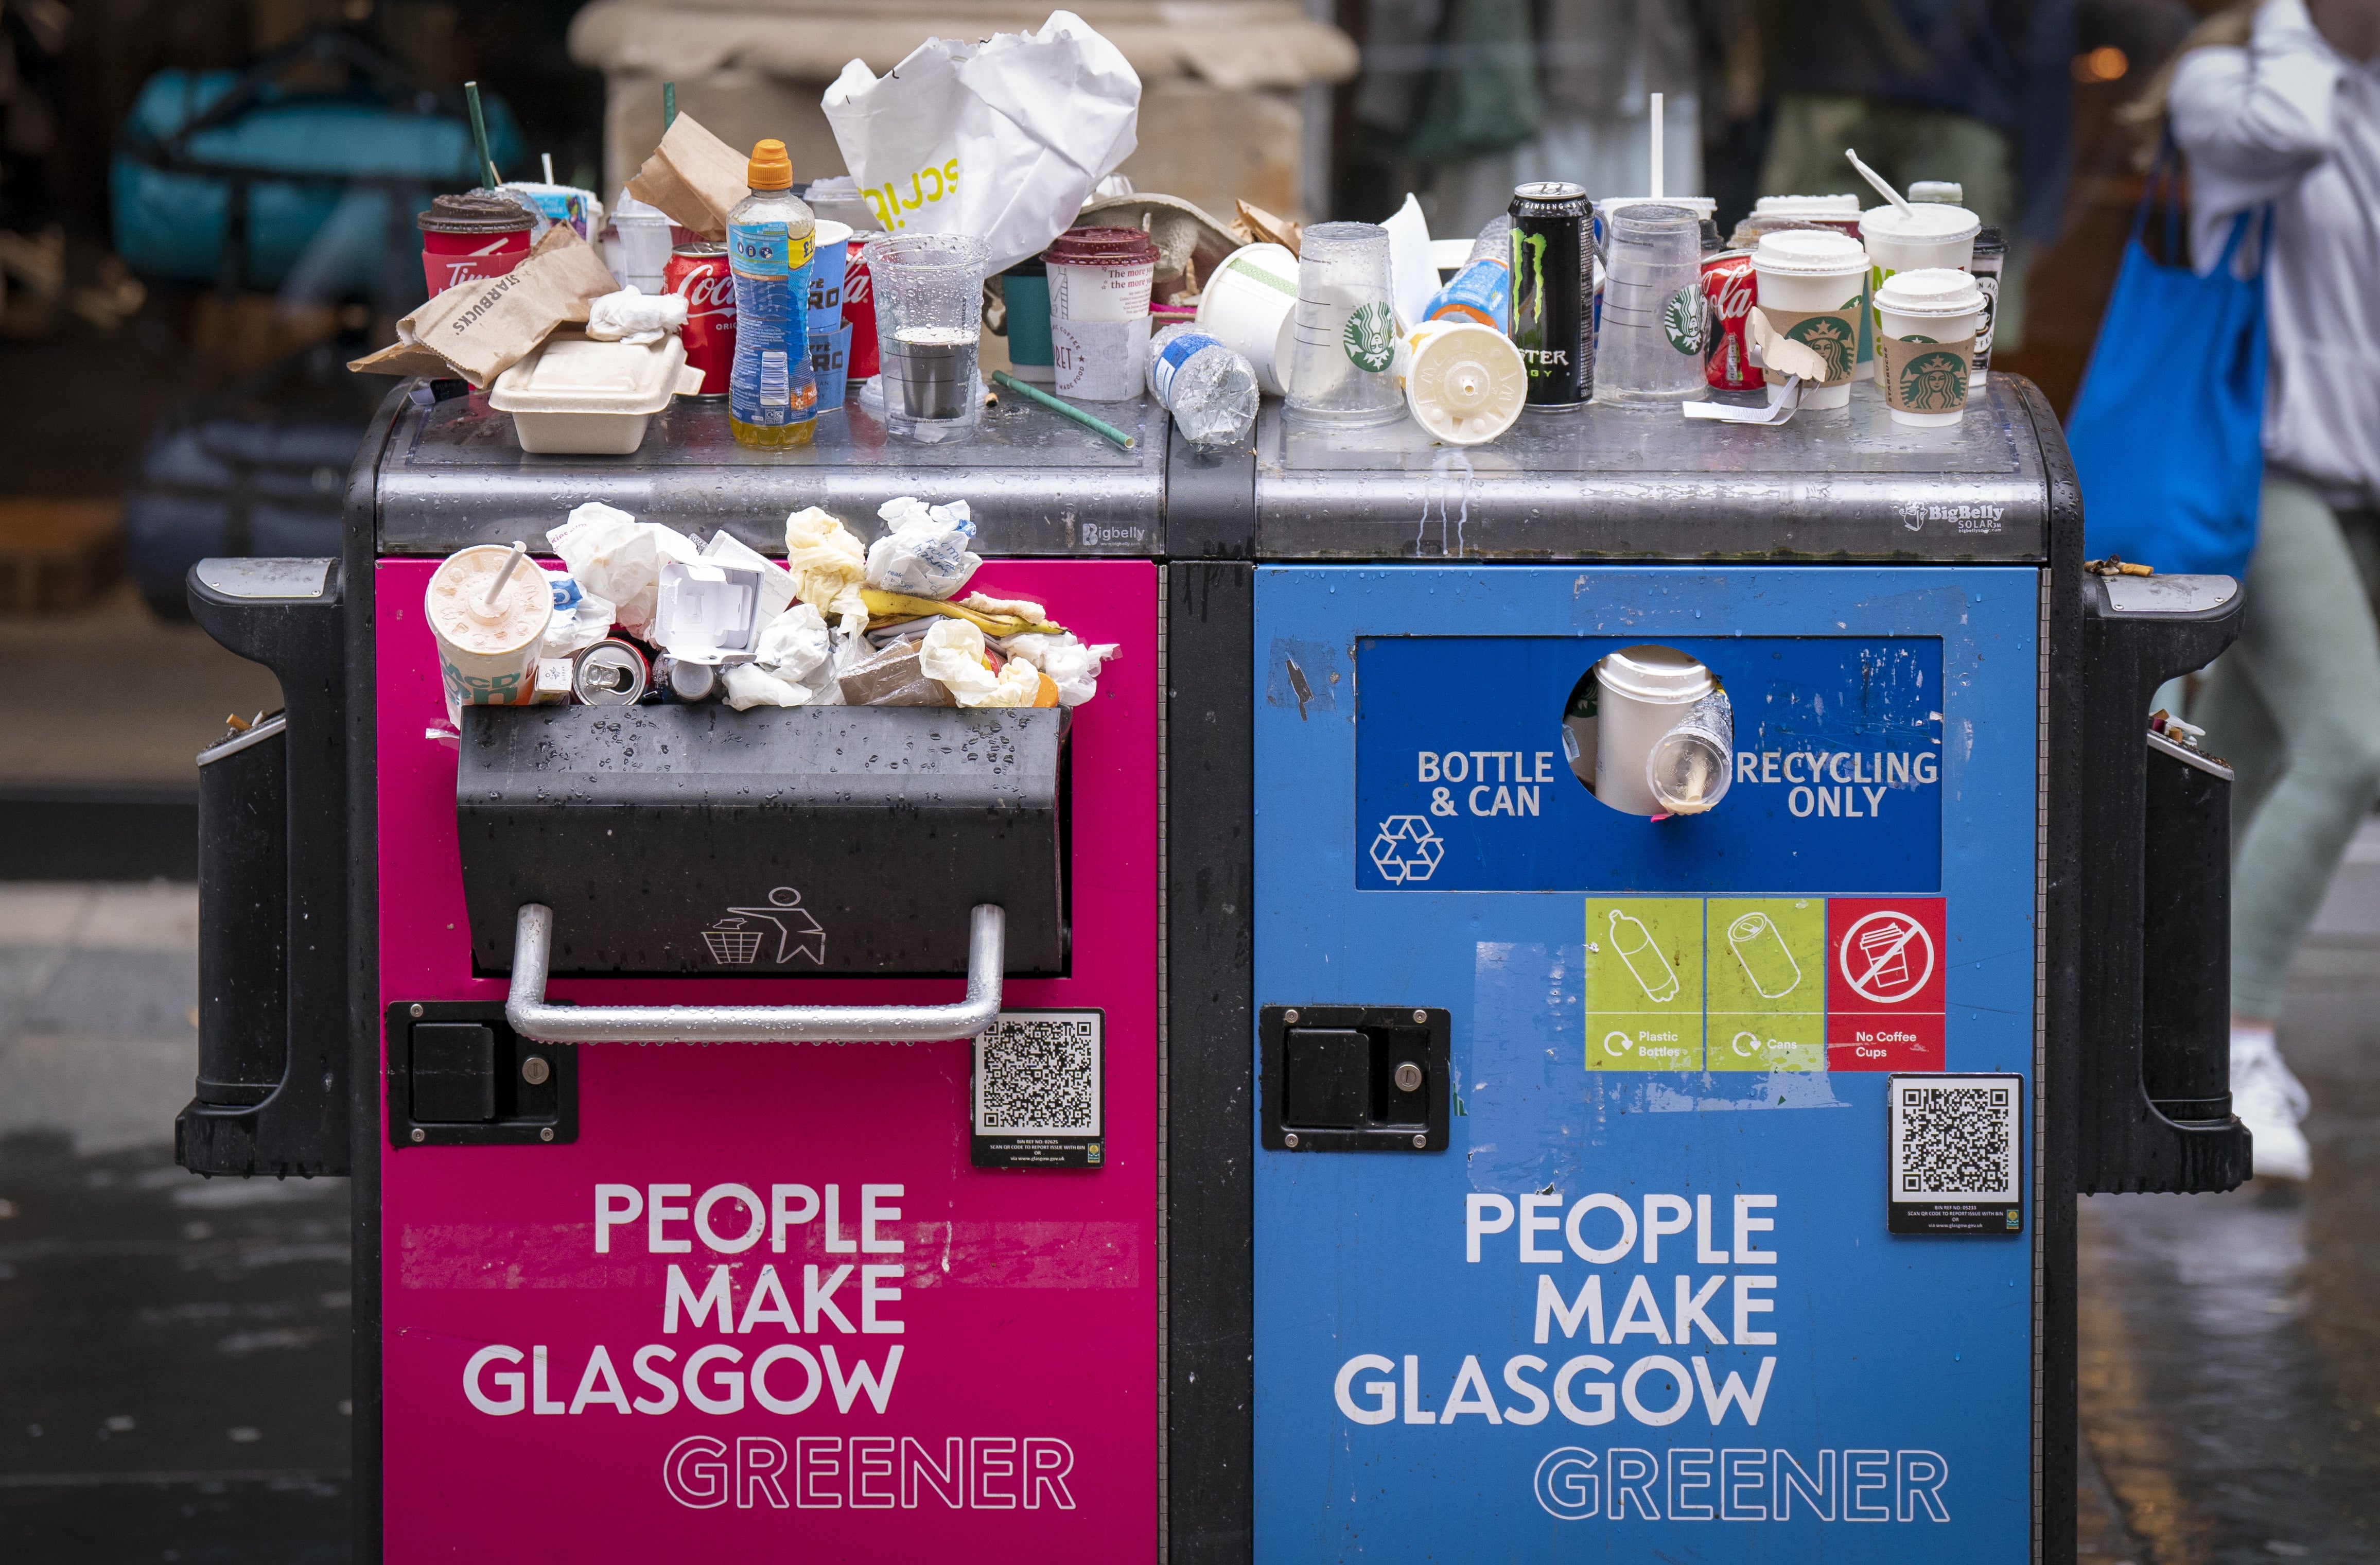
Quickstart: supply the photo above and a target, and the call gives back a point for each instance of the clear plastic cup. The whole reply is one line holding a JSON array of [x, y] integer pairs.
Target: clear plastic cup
[[928, 297], [1343, 337], [1648, 344]]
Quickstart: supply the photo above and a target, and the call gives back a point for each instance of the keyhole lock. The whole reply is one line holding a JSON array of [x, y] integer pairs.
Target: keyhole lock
[[1408, 1077], [535, 1072]]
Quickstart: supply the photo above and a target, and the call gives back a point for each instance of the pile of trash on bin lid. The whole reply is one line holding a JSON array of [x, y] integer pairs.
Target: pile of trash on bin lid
[[644, 614]]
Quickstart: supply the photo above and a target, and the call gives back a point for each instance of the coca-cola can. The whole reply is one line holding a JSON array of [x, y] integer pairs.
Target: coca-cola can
[[1728, 290], [697, 272], [859, 314]]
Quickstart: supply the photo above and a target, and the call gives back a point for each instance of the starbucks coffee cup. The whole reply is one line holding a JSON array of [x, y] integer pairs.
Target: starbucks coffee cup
[[1925, 343], [1249, 306], [1929, 234], [487, 655], [1809, 286], [1464, 382]]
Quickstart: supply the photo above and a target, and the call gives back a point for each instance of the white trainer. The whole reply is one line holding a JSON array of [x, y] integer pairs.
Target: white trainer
[[2270, 1101]]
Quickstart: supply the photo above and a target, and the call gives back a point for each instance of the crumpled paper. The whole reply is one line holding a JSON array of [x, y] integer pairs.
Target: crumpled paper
[[587, 621], [926, 553], [613, 556], [828, 565], [1073, 667], [953, 654], [791, 665], [629, 316]]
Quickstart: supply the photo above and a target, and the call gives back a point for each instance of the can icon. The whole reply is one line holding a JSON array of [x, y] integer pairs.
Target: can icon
[[1645, 963], [1760, 950]]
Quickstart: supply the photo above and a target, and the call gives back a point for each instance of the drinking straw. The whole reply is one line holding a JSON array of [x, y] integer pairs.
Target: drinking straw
[[480, 132], [549, 166], [1873, 177], [495, 591], [1656, 191], [669, 104], [1064, 409]]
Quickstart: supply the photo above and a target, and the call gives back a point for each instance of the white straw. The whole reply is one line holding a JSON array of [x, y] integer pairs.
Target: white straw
[[1873, 177], [549, 166], [1656, 191], [512, 562]]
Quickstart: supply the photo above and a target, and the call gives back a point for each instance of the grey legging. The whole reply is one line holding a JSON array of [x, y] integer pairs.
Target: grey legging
[[2294, 705]]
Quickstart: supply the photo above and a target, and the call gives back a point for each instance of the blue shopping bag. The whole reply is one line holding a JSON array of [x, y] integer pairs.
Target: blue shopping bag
[[2167, 432]]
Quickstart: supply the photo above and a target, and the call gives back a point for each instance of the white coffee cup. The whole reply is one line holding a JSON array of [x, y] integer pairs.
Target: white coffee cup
[[487, 657], [1249, 305], [1927, 306], [1641, 693], [1799, 269], [1929, 234]]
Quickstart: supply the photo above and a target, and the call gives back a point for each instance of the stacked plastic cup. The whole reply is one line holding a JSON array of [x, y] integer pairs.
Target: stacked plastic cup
[[1343, 332], [928, 296], [1649, 344]]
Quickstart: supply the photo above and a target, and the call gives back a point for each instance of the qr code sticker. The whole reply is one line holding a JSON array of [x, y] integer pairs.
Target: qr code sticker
[[1037, 1074], [1955, 1138]]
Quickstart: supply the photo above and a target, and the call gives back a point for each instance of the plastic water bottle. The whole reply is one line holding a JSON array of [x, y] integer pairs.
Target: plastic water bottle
[[1210, 389], [1482, 291], [771, 398]]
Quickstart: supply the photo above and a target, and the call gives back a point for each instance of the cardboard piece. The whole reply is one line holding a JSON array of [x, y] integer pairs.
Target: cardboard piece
[[692, 177], [483, 327]]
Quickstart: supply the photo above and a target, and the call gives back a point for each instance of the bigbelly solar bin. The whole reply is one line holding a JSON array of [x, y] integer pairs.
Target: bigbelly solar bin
[[752, 1115], [1711, 903]]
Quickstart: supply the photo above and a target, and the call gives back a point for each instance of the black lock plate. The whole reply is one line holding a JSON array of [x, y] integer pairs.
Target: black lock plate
[[1342, 1078], [459, 1076]]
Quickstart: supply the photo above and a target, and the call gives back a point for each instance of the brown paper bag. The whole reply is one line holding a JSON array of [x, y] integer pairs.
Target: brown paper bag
[[480, 328], [694, 177]]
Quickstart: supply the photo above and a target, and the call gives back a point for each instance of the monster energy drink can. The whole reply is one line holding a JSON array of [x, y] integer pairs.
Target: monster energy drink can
[[1552, 272]]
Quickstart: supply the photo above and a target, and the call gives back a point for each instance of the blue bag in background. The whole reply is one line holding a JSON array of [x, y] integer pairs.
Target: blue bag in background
[[2167, 430]]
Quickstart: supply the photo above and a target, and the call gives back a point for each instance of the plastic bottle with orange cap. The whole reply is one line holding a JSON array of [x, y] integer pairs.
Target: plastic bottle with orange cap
[[771, 398]]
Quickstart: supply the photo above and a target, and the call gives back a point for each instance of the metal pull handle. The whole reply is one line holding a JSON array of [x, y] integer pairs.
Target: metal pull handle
[[531, 1017]]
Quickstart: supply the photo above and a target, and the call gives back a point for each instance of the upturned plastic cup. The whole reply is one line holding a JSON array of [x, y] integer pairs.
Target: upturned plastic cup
[[487, 659], [1926, 344], [830, 365], [1250, 306], [829, 255], [927, 290], [1641, 693], [1648, 345], [1099, 311], [1802, 271], [1345, 329]]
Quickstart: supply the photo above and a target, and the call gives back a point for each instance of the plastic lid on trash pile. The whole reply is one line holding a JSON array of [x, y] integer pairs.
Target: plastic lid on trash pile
[[1101, 247], [1930, 290], [475, 211], [1819, 252]]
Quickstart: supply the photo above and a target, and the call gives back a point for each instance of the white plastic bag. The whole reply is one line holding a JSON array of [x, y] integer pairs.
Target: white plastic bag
[[588, 622], [1004, 138], [793, 645], [926, 553]]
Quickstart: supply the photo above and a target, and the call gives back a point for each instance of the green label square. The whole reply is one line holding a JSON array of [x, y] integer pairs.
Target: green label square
[[1768, 1004], [1644, 983]]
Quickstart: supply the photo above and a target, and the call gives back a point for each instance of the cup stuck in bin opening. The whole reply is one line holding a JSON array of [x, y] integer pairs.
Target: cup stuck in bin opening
[[487, 649]]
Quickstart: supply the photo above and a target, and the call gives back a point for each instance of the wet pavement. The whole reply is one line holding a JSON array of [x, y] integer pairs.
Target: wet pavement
[[174, 1350]]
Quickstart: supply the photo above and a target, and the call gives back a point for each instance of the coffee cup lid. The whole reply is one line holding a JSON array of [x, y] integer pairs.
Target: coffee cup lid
[[1101, 247], [1924, 220], [1930, 290], [1806, 206], [1817, 252], [1655, 674], [475, 211]]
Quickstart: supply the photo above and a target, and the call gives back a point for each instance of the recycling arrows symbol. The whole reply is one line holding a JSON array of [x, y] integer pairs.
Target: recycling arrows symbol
[[1407, 850]]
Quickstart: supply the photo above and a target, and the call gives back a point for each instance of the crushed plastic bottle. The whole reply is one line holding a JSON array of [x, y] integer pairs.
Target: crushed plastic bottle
[[1208, 388]]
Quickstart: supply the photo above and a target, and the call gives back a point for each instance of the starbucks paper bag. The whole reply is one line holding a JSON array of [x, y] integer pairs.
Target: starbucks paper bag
[[1005, 137], [692, 177], [483, 327]]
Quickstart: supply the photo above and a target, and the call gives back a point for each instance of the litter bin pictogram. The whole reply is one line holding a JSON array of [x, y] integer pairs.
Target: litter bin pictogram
[[731, 945]]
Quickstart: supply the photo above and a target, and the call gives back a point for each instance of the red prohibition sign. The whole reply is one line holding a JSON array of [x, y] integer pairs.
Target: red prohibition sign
[[1887, 957]]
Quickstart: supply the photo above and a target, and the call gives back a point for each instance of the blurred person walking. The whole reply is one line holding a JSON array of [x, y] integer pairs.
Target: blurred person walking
[[1975, 91], [2279, 103]]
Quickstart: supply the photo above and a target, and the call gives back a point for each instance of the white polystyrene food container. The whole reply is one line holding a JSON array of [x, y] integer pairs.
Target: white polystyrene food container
[[575, 396]]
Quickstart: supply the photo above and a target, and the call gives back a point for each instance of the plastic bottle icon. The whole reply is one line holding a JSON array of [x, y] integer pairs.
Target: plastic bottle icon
[[1645, 963], [1761, 951]]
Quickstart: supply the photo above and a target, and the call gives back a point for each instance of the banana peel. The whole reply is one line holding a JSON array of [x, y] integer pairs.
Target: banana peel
[[890, 608]]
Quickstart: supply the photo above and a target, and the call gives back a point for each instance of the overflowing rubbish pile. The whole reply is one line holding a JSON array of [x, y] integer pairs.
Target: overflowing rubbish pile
[[641, 613]]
